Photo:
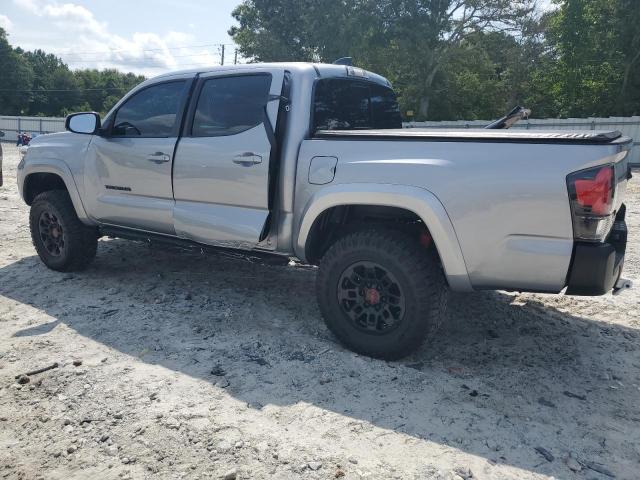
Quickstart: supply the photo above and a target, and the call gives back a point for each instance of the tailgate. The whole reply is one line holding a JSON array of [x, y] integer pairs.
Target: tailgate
[[622, 176]]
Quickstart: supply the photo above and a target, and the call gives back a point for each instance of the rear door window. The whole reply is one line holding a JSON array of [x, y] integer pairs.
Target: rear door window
[[384, 108], [341, 104], [231, 105]]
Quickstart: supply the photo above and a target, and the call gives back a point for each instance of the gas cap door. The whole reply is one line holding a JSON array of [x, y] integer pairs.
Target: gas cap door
[[322, 170]]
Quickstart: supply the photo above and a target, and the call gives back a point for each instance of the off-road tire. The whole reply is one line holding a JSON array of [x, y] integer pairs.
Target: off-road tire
[[418, 274], [80, 241]]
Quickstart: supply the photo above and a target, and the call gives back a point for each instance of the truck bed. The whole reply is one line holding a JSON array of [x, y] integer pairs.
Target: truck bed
[[479, 135], [504, 191]]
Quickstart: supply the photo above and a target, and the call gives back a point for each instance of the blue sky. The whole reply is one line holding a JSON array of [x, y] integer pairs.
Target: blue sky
[[143, 36]]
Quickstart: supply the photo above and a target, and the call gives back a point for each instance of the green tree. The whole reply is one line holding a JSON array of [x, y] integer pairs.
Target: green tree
[[16, 79], [628, 11], [409, 41], [592, 61], [297, 30], [103, 88], [55, 89], [39, 83], [584, 38], [470, 85]]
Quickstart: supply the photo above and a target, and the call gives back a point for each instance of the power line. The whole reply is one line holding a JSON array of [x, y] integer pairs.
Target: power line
[[147, 62], [140, 61], [59, 90], [154, 63], [94, 60], [81, 90], [124, 65], [143, 50]]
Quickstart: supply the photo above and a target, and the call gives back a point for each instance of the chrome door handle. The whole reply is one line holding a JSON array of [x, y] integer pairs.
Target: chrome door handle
[[159, 157], [247, 159]]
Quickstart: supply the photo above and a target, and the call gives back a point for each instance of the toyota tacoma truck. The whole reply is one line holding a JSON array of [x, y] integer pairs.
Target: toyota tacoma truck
[[310, 161]]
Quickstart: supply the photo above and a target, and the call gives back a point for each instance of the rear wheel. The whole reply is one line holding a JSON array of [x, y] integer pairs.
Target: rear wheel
[[62, 241], [381, 293]]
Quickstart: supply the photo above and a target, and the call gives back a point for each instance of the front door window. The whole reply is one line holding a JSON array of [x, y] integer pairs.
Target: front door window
[[151, 112]]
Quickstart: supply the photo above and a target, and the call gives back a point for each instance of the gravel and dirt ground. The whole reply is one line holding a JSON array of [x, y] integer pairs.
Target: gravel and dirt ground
[[179, 365]]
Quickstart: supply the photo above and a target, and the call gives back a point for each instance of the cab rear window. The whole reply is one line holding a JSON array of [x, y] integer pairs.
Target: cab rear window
[[343, 104]]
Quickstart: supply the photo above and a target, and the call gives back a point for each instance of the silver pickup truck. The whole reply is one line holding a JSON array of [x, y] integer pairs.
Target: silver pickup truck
[[310, 161]]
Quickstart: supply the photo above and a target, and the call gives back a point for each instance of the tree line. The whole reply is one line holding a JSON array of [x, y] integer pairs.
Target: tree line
[[465, 59], [41, 84], [447, 59]]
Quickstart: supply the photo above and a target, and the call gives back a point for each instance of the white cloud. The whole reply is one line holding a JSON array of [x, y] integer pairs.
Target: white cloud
[[73, 16], [6, 23], [546, 5], [91, 44], [29, 5]]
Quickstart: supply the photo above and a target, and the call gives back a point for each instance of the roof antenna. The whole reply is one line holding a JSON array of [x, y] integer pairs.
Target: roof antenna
[[348, 61]]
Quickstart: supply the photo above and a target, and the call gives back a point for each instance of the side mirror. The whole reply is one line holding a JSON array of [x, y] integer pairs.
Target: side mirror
[[87, 123], [1, 134]]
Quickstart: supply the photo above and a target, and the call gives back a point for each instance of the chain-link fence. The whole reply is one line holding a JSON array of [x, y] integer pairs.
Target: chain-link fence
[[11, 126]]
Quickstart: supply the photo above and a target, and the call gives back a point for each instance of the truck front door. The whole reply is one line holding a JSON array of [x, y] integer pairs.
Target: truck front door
[[128, 169], [221, 167]]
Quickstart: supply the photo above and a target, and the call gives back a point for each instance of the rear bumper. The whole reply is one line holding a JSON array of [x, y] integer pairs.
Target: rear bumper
[[596, 267]]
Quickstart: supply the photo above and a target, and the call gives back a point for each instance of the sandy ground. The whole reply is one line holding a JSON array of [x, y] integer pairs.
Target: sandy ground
[[191, 366]]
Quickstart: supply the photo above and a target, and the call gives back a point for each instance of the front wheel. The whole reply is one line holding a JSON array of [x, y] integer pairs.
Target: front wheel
[[381, 293], [62, 241]]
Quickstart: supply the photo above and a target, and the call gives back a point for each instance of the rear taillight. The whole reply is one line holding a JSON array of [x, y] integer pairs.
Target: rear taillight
[[591, 193]]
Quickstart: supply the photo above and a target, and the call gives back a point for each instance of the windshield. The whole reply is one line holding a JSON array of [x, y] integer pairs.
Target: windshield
[[344, 104]]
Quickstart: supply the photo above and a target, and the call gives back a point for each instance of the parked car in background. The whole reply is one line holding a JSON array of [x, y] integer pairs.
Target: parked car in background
[[310, 161]]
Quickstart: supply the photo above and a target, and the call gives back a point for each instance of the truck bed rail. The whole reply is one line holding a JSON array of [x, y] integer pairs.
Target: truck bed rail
[[479, 135]]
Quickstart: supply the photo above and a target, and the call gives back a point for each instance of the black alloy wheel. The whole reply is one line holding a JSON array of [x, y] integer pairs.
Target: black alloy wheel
[[51, 233], [371, 297]]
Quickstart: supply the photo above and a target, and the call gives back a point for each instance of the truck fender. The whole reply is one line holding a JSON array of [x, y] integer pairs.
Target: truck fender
[[62, 170], [418, 200]]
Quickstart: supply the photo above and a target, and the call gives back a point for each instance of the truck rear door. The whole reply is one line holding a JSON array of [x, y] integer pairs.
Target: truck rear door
[[221, 166]]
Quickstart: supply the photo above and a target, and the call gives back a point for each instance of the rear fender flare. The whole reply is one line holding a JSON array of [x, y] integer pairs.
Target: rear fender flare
[[418, 200]]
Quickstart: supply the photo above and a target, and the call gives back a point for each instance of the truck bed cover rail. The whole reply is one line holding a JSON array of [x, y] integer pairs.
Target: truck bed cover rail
[[478, 135]]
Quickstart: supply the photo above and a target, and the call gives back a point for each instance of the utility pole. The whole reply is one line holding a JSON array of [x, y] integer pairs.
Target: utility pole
[[222, 59], [235, 57]]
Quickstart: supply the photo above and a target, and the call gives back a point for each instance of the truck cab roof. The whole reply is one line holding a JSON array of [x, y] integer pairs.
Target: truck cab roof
[[318, 70]]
